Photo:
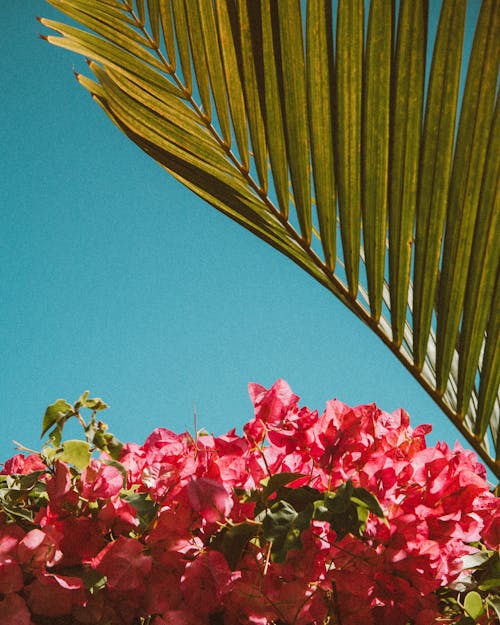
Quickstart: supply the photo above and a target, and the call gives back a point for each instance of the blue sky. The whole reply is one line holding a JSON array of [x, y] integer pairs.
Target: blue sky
[[116, 279]]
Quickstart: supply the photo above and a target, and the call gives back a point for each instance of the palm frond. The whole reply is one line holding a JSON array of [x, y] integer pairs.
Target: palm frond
[[331, 120]]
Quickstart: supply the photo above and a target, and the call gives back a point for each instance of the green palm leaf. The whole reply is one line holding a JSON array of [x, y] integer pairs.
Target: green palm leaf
[[339, 121]]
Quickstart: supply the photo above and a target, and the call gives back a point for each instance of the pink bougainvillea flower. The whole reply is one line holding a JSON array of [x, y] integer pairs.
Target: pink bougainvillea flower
[[209, 498], [163, 592], [59, 486], [21, 464], [10, 535], [81, 539], [118, 516], [205, 582], [491, 532], [175, 546], [124, 564], [173, 532], [271, 406], [100, 481], [11, 576], [179, 617], [54, 595], [39, 548], [14, 610]]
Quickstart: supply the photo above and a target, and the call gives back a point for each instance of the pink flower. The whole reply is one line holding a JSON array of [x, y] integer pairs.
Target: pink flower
[[160, 549], [23, 464], [10, 535], [54, 595], [11, 576], [271, 406], [491, 533], [118, 516], [205, 582], [209, 498], [100, 481], [14, 610], [81, 539], [39, 549], [59, 487], [124, 564]]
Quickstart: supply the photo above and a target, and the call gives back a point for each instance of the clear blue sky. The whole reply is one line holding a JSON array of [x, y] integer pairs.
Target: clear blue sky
[[115, 278]]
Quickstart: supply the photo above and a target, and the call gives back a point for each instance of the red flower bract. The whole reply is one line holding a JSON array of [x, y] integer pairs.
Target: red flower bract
[[235, 530], [124, 564]]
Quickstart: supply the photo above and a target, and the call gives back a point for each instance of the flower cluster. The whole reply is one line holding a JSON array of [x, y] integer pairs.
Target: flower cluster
[[305, 519]]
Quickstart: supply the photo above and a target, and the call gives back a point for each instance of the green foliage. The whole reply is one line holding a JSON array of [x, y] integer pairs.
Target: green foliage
[[476, 598], [21, 495], [145, 507], [56, 415], [76, 452], [473, 604], [282, 514]]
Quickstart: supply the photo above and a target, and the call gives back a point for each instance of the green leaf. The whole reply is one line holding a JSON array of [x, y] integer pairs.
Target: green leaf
[[476, 560], [283, 526], [466, 181], [343, 520], [348, 89], [96, 404], [295, 109], [168, 33], [319, 75], [77, 453], [435, 167], [213, 56], [495, 604], [26, 482], [182, 42], [93, 580], [81, 400], [340, 500], [92, 404], [300, 497], [346, 513], [375, 143], [277, 520], [351, 125], [232, 541], [408, 93], [199, 57], [55, 436], [50, 453], [154, 20], [109, 443], [274, 482], [145, 507], [233, 81], [56, 413], [362, 496], [247, 15], [273, 116], [16, 513], [483, 273], [490, 584], [473, 604]]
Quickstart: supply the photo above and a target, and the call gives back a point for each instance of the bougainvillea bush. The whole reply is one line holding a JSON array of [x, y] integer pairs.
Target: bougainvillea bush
[[341, 518]]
